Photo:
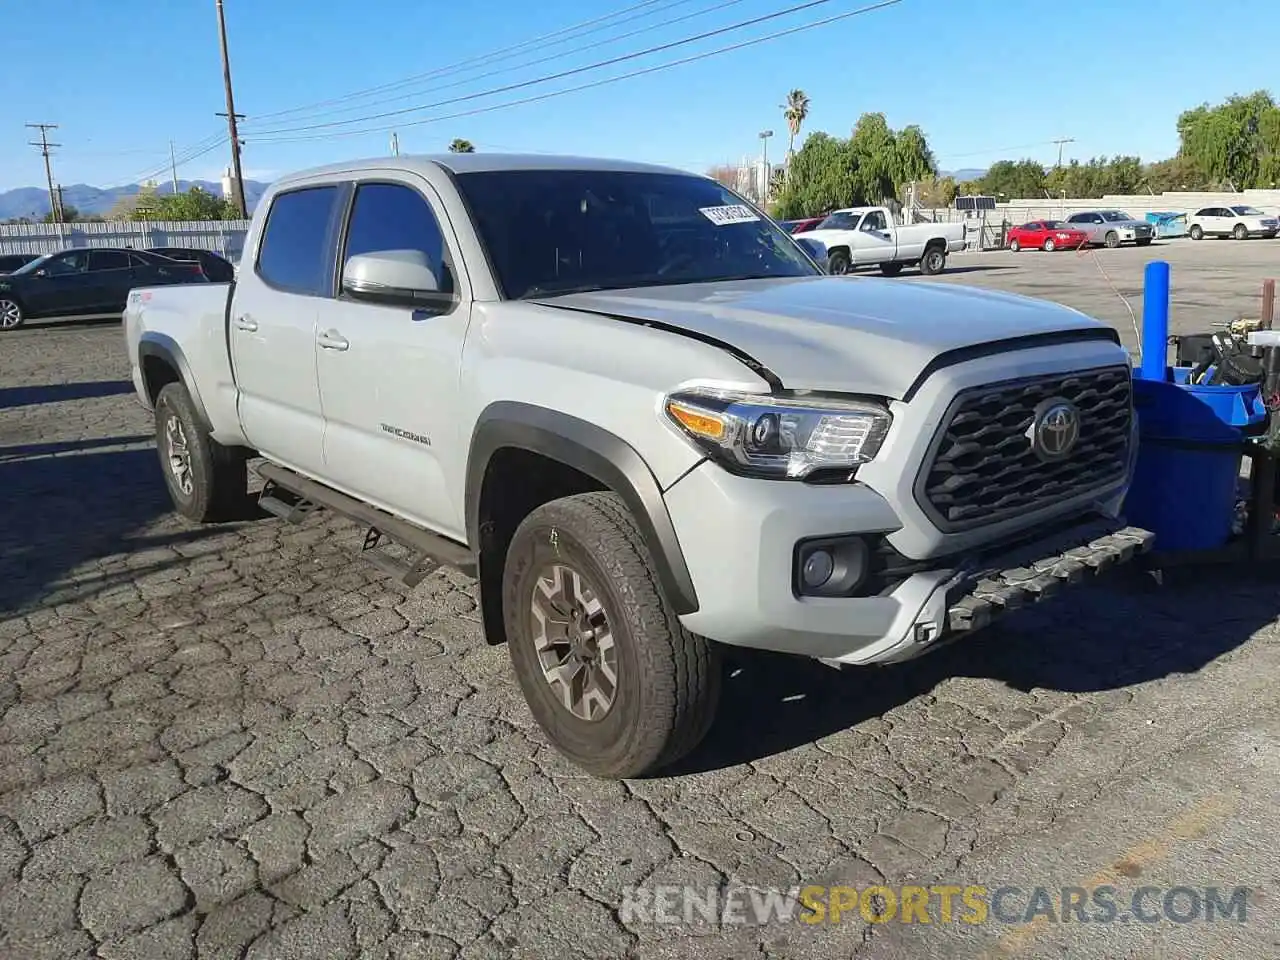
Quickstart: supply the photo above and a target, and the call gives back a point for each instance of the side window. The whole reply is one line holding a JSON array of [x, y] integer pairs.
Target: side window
[[1076, 218], [67, 263], [294, 253], [136, 261], [391, 216], [108, 260], [874, 221]]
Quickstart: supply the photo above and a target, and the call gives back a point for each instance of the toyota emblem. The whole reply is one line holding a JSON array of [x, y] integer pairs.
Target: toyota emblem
[[1054, 430]]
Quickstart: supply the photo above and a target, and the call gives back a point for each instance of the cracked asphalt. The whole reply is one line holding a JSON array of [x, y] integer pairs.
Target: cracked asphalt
[[239, 741]]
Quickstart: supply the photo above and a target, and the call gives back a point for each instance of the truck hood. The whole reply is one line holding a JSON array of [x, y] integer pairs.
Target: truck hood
[[847, 334]]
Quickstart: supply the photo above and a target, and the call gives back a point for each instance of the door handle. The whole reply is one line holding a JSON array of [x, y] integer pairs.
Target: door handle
[[332, 340], [246, 323]]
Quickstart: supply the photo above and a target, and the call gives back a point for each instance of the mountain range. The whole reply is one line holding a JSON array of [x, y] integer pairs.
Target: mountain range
[[34, 201], [960, 176]]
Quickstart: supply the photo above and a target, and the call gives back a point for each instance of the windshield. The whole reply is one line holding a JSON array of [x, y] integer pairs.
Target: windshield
[[1056, 225], [840, 221], [1248, 212], [1116, 216], [550, 232], [33, 266]]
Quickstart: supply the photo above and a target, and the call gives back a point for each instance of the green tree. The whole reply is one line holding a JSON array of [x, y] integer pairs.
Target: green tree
[[934, 193], [69, 215], [819, 178], [1235, 141], [194, 204], [1014, 179], [795, 111], [458, 145]]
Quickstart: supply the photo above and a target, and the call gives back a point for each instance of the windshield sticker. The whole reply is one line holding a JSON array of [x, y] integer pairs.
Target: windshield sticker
[[723, 216]]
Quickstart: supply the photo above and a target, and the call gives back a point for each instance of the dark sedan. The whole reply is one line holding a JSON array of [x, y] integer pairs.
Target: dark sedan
[[74, 283], [217, 269]]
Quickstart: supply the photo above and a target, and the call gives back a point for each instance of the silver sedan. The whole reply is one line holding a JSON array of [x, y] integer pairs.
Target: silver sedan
[[1112, 227]]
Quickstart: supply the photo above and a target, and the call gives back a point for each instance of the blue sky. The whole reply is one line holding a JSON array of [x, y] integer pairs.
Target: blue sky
[[986, 79]]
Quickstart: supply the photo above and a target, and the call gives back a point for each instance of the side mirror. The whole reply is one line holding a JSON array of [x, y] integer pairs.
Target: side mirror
[[401, 277]]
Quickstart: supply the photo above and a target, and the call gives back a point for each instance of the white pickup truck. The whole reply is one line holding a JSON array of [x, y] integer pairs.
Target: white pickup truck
[[640, 415], [869, 237]]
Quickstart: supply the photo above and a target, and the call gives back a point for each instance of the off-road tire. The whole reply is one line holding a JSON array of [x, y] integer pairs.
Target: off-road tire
[[933, 262], [1112, 239], [219, 475], [839, 264], [891, 269], [668, 680]]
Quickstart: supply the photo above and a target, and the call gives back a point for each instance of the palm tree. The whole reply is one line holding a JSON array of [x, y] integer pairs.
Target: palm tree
[[795, 111], [462, 146]]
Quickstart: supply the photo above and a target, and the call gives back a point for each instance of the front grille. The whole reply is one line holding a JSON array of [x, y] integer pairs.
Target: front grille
[[981, 467]]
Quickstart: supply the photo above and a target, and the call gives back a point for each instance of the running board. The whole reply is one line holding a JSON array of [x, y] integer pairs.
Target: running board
[[292, 497]]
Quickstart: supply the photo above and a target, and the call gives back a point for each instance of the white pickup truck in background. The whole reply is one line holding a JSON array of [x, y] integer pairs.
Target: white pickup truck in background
[[869, 237]]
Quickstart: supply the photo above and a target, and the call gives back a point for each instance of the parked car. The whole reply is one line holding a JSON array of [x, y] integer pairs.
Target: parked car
[[86, 282], [218, 269], [10, 262], [409, 343], [1240, 222], [868, 236], [1112, 228], [801, 226], [1047, 235]]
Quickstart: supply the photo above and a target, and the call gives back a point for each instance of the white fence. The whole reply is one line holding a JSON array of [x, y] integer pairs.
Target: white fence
[[225, 237]]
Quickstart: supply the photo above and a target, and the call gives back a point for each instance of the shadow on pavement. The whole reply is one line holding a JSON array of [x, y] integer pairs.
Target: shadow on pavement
[[975, 268], [56, 392], [25, 450], [1101, 637], [61, 514]]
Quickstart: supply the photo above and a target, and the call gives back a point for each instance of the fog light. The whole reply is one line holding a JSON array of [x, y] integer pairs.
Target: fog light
[[818, 568]]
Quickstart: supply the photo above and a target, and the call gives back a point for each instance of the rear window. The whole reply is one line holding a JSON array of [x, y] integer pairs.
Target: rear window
[[295, 254]]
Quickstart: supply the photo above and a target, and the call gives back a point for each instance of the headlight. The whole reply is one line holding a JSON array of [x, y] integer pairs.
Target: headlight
[[780, 437]]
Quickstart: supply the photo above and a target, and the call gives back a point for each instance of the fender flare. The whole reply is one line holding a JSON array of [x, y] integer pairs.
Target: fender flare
[[595, 452], [164, 347]]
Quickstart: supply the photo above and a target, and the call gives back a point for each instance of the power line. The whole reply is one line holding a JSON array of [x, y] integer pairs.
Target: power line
[[809, 4], [397, 84], [593, 84], [193, 153], [55, 209], [560, 56]]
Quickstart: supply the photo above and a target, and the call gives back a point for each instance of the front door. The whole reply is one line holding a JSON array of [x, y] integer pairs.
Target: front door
[[60, 288], [389, 374], [875, 243], [273, 327]]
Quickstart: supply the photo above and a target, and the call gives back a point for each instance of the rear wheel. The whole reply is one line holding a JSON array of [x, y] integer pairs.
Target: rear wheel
[[11, 317], [615, 682], [1112, 239], [206, 480], [1196, 232], [891, 269], [1241, 232], [838, 263], [1015, 246], [1049, 245], [934, 261]]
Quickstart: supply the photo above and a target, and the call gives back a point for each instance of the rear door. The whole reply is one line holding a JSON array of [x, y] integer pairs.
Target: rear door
[[273, 325], [389, 373], [109, 281]]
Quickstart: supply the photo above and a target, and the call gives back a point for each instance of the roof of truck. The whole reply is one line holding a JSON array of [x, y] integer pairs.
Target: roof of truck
[[482, 163]]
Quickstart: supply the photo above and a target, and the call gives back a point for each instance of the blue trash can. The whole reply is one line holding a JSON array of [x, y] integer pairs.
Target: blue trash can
[[1186, 480]]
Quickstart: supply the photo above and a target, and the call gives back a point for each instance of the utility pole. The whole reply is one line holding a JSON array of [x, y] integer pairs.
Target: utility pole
[[395, 144], [44, 146], [764, 165], [232, 116], [1060, 142], [62, 205], [173, 168]]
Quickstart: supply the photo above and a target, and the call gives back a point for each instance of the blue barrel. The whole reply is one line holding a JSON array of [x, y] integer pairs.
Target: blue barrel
[[1186, 480]]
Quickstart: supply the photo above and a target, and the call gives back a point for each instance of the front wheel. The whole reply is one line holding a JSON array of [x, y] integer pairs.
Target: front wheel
[[933, 262], [1015, 246], [1241, 232], [206, 480], [891, 269], [1112, 239], [1196, 232], [11, 317], [838, 264], [611, 676]]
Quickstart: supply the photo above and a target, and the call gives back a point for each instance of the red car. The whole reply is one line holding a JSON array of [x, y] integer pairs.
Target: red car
[[800, 226], [1047, 235]]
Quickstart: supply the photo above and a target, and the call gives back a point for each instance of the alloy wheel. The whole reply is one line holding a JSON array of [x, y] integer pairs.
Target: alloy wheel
[[179, 454], [10, 314], [573, 640]]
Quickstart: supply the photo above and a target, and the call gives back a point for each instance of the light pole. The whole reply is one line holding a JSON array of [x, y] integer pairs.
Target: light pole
[[764, 165]]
